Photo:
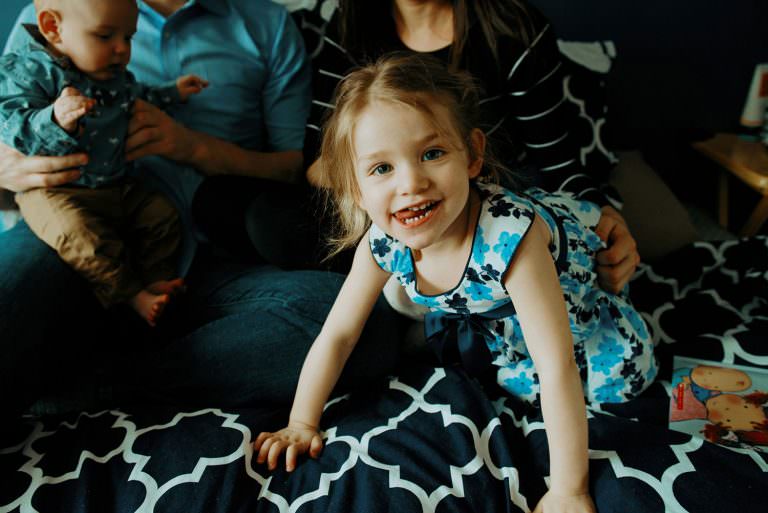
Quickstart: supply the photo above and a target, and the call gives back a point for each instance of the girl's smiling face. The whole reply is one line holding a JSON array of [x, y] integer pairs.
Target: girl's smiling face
[[413, 176]]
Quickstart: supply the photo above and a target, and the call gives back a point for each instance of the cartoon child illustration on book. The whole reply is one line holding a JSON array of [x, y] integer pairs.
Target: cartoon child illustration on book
[[736, 420], [693, 387]]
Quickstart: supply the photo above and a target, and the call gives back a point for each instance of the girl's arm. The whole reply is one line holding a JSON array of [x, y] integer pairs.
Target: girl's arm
[[324, 363], [535, 290]]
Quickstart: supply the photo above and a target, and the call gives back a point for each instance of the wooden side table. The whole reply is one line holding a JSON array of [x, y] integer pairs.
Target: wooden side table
[[746, 160]]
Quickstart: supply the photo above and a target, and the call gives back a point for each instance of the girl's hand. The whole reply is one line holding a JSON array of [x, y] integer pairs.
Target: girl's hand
[[295, 439], [69, 107], [554, 503], [189, 85], [617, 263]]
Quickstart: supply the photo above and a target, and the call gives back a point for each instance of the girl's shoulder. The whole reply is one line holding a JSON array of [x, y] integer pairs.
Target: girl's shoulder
[[503, 206], [505, 218], [389, 253]]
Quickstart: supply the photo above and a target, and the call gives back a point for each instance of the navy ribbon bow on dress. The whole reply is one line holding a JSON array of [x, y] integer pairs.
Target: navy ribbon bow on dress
[[462, 337]]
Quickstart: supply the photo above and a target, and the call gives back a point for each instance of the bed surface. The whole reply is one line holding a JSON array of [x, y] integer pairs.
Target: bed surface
[[429, 439]]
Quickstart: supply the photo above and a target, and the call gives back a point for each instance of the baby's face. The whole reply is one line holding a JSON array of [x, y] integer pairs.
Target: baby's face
[[96, 35]]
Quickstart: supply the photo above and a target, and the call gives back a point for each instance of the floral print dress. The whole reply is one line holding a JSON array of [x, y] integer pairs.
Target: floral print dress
[[475, 324]]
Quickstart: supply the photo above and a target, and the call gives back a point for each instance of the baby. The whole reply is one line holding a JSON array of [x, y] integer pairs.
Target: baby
[[67, 91]]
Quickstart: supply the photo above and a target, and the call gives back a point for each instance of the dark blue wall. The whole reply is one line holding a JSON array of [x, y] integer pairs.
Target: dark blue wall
[[683, 66], [9, 9]]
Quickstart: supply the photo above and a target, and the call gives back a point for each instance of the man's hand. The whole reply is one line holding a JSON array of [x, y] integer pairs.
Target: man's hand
[[189, 85], [21, 173], [69, 107], [617, 263], [153, 132], [294, 440]]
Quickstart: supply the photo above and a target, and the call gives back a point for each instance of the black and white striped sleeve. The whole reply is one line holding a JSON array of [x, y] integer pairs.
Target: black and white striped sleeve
[[330, 63], [541, 119]]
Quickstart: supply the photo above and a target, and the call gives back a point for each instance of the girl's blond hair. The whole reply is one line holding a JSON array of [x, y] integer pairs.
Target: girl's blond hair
[[414, 80]]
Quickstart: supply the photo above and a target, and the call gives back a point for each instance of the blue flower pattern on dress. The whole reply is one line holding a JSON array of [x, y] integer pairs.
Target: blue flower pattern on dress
[[612, 344], [507, 245], [380, 247], [610, 354], [478, 291], [610, 391], [402, 266], [520, 385], [479, 248]]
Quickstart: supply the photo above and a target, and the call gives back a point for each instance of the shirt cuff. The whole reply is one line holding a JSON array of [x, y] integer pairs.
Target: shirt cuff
[[52, 138]]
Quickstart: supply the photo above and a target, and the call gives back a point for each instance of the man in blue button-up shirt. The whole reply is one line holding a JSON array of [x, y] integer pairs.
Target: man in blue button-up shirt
[[240, 333]]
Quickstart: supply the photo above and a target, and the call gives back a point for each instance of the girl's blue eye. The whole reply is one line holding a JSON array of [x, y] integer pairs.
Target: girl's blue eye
[[432, 154], [381, 169]]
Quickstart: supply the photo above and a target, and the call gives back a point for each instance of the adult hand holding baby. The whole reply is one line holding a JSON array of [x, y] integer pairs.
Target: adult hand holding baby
[[19, 172], [153, 132]]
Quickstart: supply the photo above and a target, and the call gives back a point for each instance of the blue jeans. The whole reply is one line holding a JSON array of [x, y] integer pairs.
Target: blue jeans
[[238, 336]]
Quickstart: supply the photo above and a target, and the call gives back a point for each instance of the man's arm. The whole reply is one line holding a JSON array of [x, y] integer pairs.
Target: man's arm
[[285, 98], [152, 132]]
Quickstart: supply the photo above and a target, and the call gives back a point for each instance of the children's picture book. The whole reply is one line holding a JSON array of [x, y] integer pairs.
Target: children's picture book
[[723, 403]]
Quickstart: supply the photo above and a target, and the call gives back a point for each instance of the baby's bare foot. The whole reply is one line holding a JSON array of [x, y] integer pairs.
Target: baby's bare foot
[[149, 305], [171, 287]]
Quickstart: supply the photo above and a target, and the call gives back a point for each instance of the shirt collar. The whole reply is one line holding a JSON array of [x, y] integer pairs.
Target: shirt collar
[[37, 44], [220, 7]]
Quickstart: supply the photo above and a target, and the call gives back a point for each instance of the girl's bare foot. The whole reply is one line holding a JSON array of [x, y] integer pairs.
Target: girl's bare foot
[[171, 287], [149, 305]]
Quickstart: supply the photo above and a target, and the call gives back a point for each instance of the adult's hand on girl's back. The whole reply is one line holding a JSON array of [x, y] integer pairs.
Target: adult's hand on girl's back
[[19, 172], [617, 263]]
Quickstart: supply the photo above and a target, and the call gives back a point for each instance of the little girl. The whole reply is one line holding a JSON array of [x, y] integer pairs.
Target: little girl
[[508, 277]]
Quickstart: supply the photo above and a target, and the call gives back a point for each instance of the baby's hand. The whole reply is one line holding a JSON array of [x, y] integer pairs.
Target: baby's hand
[[296, 439], [69, 107], [189, 85], [554, 503]]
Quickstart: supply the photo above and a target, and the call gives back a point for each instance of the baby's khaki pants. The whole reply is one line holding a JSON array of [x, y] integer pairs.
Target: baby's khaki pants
[[120, 237]]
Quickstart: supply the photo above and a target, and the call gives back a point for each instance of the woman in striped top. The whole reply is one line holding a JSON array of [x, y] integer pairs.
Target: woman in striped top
[[510, 48]]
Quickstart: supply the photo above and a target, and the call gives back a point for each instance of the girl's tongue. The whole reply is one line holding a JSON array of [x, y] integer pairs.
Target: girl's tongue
[[409, 215]]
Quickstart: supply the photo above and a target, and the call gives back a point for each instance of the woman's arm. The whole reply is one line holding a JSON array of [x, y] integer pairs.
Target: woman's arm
[[534, 288], [325, 362], [544, 119], [153, 132]]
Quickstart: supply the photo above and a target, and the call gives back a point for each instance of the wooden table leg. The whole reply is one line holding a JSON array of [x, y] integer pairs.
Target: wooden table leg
[[756, 219]]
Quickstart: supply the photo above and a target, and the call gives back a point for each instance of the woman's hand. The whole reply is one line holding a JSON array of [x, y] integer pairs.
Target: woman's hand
[[617, 263], [19, 172], [294, 440], [554, 503], [153, 132]]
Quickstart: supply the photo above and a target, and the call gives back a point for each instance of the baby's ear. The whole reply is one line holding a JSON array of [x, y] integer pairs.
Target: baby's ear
[[476, 152], [48, 22]]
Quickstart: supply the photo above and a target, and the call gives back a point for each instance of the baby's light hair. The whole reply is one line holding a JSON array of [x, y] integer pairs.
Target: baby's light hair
[[413, 80]]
